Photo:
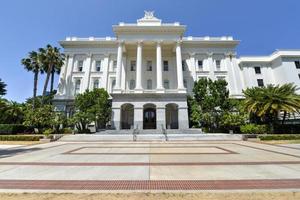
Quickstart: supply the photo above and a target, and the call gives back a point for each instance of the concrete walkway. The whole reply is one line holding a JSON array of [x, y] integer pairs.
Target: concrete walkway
[[151, 166]]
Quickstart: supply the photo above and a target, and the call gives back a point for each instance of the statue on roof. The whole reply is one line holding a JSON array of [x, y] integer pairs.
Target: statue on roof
[[149, 15]]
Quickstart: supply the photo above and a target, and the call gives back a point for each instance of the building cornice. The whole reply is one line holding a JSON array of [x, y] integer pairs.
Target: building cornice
[[270, 58]]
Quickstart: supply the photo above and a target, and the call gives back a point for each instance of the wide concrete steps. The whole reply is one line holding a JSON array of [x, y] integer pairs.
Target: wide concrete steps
[[150, 137]]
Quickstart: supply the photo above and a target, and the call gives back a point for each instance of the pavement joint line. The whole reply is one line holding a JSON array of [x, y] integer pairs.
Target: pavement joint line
[[147, 163]]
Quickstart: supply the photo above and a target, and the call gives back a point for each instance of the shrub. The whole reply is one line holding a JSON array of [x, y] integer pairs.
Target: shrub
[[14, 129], [48, 132], [254, 129], [20, 138], [279, 137], [84, 131], [66, 131]]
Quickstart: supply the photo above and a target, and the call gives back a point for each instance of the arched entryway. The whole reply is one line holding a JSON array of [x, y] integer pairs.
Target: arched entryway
[[127, 116], [172, 116], [149, 116]]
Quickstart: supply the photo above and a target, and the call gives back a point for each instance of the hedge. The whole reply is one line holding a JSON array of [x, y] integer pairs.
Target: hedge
[[14, 129], [279, 137], [20, 137]]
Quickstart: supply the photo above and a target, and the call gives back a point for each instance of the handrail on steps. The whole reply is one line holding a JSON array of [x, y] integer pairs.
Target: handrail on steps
[[164, 131], [134, 133]]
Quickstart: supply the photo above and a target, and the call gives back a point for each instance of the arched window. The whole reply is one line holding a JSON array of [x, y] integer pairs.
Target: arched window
[[132, 84], [166, 84], [149, 84]]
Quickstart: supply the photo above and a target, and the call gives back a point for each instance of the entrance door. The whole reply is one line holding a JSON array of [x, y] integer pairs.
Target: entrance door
[[149, 121]]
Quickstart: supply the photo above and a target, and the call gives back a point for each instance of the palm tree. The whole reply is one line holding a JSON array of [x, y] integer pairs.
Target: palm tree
[[2, 88], [33, 63], [267, 102], [14, 112], [52, 59]]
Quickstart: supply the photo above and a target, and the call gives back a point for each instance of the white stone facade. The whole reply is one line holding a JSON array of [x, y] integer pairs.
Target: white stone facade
[[149, 68]]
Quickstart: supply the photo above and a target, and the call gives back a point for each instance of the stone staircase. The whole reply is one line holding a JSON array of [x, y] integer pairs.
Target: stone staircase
[[149, 135]]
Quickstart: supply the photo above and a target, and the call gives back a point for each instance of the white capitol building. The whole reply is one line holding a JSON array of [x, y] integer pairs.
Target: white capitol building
[[149, 68]]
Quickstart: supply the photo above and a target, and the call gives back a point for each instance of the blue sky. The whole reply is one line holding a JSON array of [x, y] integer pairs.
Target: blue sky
[[25, 25]]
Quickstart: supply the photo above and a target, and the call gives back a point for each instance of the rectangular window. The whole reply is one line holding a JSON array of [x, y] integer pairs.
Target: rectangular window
[[183, 65], [297, 63], [166, 65], [299, 76], [96, 84], [80, 65], [257, 70], [98, 66], [260, 82], [113, 85], [200, 64], [149, 84], [166, 84], [221, 77], [149, 65], [218, 63], [77, 87], [132, 65], [114, 65], [185, 83]]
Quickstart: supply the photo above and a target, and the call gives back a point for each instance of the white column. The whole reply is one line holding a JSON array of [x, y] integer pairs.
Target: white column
[[87, 70], [139, 87], [180, 85], [159, 83], [119, 67], [68, 79], [211, 66], [104, 78]]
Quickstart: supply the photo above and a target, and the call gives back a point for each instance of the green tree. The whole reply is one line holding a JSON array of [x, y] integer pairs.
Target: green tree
[[33, 63], [2, 88], [211, 99], [52, 60], [40, 117], [266, 102], [93, 106]]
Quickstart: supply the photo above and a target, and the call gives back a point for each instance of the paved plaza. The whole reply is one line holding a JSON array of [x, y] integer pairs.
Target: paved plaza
[[150, 166]]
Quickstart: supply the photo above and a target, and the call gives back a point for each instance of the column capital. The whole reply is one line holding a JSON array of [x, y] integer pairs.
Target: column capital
[[230, 54], [69, 55], [209, 54], [159, 42], [89, 54], [120, 42], [178, 42], [140, 42]]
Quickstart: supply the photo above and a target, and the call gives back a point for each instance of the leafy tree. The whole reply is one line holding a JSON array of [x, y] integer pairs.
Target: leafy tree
[[92, 106], [11, 112], [211, 99], [266, 102], [52, 60], [33, 63], [233, 121], [40, 117]]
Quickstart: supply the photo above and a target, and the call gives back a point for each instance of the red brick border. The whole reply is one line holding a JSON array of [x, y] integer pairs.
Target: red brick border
[[87, 164], [151, 184], [74, 151]]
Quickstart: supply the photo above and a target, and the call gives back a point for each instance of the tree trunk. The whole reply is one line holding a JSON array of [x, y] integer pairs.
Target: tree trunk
[[284, 116], [35, 83], [52, 80], [47, 80]]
